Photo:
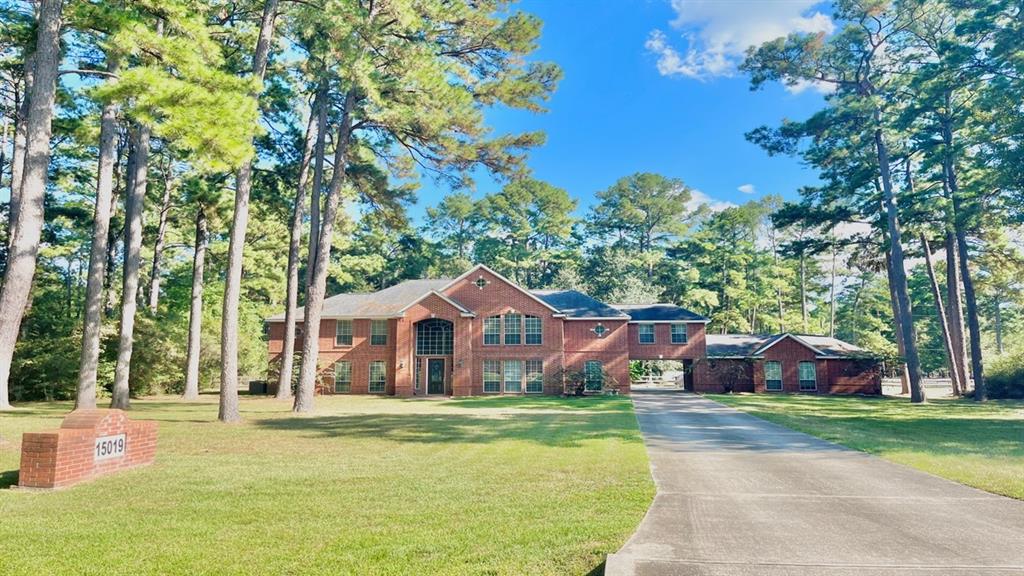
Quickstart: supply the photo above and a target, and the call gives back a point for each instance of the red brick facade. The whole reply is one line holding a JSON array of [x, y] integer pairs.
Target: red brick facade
[[566, 345], [69, 455]]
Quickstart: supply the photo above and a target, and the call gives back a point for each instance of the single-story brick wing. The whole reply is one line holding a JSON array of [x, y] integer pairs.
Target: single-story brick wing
[[482, 334]]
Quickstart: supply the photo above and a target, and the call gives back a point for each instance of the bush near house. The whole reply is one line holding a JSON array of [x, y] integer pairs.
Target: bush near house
[[1005, 375]]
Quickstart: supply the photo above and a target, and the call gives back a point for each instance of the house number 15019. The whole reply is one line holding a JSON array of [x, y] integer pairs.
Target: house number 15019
[[110, 447]]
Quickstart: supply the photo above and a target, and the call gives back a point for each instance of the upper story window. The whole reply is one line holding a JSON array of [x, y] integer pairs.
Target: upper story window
[[378, 332], [600, 330], [679, 333], [434, 337], [534, 330], [513, 329], [646, 332], [492, 330], [343, 333]]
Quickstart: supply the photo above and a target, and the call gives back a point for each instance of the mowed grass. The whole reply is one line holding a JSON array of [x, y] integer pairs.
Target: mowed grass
[[981, 445], [366, 485]]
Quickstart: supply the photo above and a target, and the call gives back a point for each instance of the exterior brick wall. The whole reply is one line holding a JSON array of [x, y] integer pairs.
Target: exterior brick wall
[[854, 377], [583, 344], [663, 348], [790, 353], [64, 457], [720, 375]]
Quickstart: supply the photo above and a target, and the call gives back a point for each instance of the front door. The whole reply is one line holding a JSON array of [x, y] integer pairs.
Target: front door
[[435, 376]]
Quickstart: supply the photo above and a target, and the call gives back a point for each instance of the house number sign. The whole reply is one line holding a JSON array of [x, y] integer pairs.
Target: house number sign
[[108, 447]]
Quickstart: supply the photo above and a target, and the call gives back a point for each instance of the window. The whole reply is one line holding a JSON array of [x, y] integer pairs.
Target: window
[[534, 376], [418, 374], [492, 376], [513, 376], [378, 332], [343, 333], [343, 376], [492, 330], [593, 375], [646, 333], [773, 376], [534, 330], [481, 282], [513, 329], [378, 377], [600, 330], [808, 376], [434, 337], [679, 333]]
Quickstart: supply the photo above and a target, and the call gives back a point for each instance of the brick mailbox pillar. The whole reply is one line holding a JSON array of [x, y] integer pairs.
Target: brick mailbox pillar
[[89, 443]]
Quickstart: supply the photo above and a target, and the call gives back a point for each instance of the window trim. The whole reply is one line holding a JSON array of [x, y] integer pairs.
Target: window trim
[[672, 333], [640, 334], [374, 323], [586, 375], [505, 324], [800, 380], [499, 320], [539, 333], [504, 377], [369, 377], [351, 331], [336, 365], [782, 385], [526, 376], [499, 372]]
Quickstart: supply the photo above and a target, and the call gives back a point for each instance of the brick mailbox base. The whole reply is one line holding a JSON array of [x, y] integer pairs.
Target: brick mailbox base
[[89, 443]]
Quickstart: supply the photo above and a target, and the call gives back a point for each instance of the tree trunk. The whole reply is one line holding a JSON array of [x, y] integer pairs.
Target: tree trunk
[[284, 381], [315, 290], [803, 291], [195, 316], [954, 310], [20, 143], [28, 226], [897, 321], [158, 246], [832, 296], [941, 312], [318, 186], [233, 282], [133, 206], [93, 320], [899, 273], [997, 317]]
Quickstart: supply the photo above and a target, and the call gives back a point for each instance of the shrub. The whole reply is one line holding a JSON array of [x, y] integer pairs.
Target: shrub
[[1005, 375]]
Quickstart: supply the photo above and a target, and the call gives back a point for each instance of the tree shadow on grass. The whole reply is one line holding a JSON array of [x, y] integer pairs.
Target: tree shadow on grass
[[589, 404], [556, 430]]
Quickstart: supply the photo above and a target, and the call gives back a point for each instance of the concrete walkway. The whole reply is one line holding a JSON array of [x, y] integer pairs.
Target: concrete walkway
[[740, 496]]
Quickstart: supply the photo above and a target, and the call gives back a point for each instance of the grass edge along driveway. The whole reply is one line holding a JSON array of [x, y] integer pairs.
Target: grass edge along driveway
[[365, 485], [980, 445]]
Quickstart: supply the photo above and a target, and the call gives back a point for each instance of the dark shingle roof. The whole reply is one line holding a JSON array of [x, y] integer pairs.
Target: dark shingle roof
[[383, 303], [719, 345], [661, 312], [577, 304]]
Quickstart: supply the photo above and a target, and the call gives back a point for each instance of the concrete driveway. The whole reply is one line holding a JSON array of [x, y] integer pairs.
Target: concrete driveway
[[740, 496]]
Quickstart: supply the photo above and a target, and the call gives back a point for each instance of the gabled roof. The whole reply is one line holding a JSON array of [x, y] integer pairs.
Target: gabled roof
[[661, 312], [479, 267], [386, 303], [575, 304], [755, 345]]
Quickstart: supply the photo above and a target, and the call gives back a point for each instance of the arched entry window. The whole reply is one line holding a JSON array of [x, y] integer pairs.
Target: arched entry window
[[434, 337]]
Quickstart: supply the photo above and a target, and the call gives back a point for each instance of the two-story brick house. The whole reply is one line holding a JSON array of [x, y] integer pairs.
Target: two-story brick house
[[481, 333]]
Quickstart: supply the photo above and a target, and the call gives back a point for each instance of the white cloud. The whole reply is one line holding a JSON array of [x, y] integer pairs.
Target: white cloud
[[716, 34], [698, 198], [747, 188], [803, 85]]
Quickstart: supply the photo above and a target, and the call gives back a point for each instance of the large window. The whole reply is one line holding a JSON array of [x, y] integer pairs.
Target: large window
[[593, 374], [646, 333], [534, 330], [513, 376], [513, 329], [492, 376], [378, 377], [492, 330], [418, 374], [773, 376], [343, 376], [343, 333], [679, 333], [434, 337], [378, 332], [534, 376], [808, 377]]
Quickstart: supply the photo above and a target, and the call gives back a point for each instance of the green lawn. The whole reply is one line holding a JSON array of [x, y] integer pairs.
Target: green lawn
[[365, 486], [981, 445]]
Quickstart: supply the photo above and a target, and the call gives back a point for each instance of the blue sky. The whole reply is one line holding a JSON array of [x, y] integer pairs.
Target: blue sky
[[650, 85]]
